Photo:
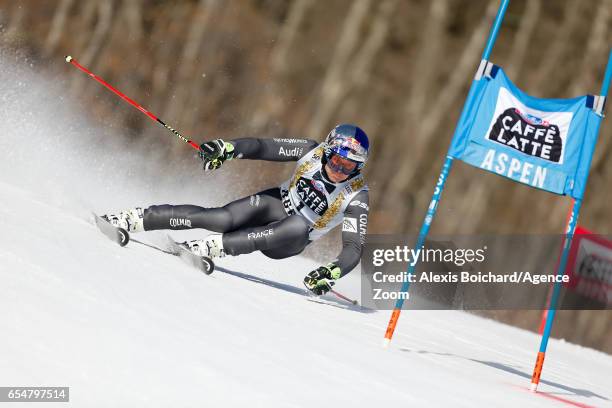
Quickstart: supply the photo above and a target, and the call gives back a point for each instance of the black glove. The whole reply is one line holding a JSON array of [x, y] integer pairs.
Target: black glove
[[321, 280], [214, 153]]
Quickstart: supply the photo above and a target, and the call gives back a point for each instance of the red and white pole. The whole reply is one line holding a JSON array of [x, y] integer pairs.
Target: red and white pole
[[341, 296], [151, 116]]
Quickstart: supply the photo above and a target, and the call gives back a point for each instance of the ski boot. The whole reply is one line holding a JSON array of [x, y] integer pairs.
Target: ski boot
[[209, 247], [131, 220]]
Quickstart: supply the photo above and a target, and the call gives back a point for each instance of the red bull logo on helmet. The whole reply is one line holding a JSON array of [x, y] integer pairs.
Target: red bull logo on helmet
[[351, 147]]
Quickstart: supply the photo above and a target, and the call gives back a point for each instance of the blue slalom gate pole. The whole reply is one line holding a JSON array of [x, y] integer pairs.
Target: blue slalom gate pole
[[569, 235], [495, 29], [605, 86], [435, 199], [431, 212]]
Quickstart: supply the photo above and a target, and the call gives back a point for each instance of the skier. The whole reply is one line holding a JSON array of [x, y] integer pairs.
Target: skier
[[326, 189]]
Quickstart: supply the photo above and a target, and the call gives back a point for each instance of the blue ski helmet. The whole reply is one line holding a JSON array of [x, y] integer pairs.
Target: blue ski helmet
[[350, 142]]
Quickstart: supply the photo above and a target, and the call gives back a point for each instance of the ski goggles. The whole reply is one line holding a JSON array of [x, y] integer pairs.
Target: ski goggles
[[341, 165]]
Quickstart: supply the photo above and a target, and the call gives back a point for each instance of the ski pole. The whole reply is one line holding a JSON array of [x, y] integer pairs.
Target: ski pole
[[341, 296], [74, 62]]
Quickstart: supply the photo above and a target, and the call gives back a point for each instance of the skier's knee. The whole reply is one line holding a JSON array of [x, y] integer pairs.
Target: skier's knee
[[282, 253], [295, 231], [299, 228], [222, 220]]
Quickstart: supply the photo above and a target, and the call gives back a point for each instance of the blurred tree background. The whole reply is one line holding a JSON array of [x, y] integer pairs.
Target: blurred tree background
[[398, 68]]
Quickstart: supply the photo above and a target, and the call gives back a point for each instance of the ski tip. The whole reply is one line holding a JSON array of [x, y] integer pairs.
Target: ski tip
[[68, 58], [209, 265], [124, 237], [386, 342]]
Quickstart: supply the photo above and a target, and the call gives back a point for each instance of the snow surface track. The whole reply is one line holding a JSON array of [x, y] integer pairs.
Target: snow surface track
[[133, 327]]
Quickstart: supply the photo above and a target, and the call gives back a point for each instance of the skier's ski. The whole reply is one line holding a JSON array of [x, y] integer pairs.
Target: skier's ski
[[165, 251], [173, 248], [203, 263], [119, 235]]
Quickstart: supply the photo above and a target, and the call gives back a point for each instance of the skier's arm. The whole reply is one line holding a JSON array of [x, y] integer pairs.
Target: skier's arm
[[354, 229], [215, 152], [276, 149]]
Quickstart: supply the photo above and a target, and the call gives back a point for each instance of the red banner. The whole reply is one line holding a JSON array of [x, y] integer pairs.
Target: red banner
[[589, 266]]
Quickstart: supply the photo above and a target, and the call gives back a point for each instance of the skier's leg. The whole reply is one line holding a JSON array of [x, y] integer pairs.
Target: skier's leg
[[254, 210], [284, 252], [279, 239]]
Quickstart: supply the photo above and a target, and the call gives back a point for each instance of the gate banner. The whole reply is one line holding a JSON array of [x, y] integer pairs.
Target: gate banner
[[544, 143]]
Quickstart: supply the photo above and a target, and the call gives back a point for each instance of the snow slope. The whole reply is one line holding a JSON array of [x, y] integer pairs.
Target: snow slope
[[133, 327]]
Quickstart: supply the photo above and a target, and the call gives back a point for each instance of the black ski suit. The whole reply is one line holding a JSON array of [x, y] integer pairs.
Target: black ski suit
[[261, 221]]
